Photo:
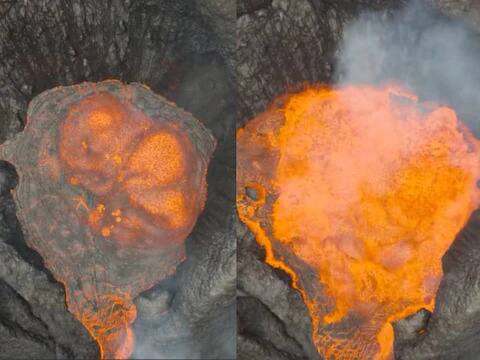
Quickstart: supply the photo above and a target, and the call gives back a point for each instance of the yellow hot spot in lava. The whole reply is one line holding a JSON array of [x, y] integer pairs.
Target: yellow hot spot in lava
[[117, 159], [168, 204], [106, 232], [107, 128], [117, 214], [369, 190], [96, 216], [160, 155], [173, 206], [100, 120]]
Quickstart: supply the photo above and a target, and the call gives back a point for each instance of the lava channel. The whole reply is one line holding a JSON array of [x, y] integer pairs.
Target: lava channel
[[366, 187]]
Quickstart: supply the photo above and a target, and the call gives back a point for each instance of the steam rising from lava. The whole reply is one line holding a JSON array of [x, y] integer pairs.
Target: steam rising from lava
[[435, 56], [121, 182], [368, 188]]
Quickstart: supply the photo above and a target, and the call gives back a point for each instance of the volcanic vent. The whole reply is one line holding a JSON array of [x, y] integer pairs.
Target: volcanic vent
[[357, 193], [111, 181]]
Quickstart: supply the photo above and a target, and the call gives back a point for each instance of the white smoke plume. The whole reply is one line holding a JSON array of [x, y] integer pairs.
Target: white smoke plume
[[433, 55]]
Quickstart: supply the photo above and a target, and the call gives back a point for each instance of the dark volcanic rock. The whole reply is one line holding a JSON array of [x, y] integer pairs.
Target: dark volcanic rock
[[407, 330], [453, 329], [8, 178], [279, 306], [249, 6], [466, 10], [221, 15], [34, 320], [250, 348], [48, 43], [263, 324]]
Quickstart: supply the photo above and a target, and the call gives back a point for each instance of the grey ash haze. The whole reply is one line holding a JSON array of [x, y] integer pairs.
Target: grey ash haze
[[434, 55]]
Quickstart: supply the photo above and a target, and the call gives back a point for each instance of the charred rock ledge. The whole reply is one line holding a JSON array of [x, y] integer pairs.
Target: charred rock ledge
[[283, 44], [182, 50]]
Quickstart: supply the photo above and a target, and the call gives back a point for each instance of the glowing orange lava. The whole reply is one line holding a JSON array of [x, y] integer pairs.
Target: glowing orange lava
[[109, 320], [138, 171], [366, 186], [111, 180], [139, 174]]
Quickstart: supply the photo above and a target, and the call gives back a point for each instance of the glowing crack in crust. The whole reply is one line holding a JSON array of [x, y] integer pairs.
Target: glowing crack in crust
[[112, 179], [367, 187]]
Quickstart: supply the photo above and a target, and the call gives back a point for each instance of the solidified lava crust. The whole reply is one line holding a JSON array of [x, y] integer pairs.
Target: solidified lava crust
[[112, 178]]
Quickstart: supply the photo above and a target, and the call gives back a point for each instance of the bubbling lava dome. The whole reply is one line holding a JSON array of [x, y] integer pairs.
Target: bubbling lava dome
[[112, 179], [366, 187], [139, 172]]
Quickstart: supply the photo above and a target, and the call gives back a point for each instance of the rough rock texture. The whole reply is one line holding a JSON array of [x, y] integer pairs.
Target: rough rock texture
[[262, 323], [34, 321], [452, 331], [50, 42], [281, 45], [250, 6], [466, 10], [268, 294], [222, 14], [407, 329], [179, 51]]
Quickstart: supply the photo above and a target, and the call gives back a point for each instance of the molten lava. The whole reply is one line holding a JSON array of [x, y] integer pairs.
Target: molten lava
[[138, 172], [368, 188], [109, 320], [120, 183]]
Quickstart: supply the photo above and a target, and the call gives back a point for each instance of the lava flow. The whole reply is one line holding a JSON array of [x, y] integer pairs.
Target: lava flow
[[367, 187], [121, 182]]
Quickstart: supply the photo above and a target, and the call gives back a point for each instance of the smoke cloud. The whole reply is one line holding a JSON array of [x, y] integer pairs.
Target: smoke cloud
[[436, 57]]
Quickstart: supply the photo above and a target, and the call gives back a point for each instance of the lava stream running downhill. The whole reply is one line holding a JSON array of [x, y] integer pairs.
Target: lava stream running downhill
[[366, 186]]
